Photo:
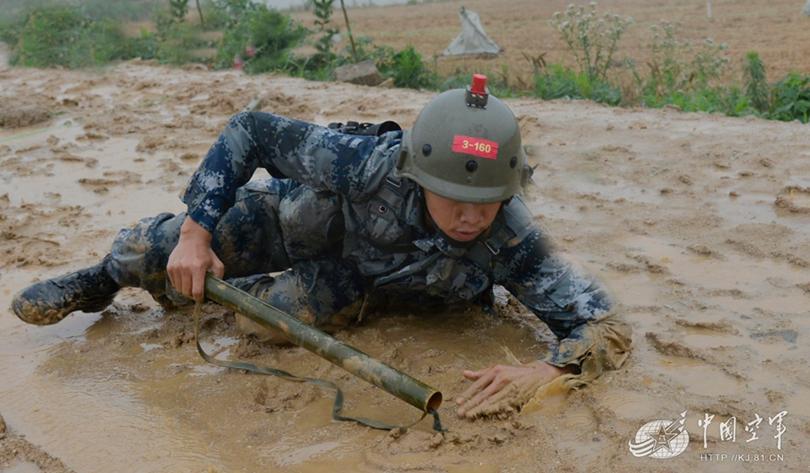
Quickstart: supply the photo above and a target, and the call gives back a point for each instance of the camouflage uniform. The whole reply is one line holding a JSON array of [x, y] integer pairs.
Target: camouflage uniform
[[341, 223]]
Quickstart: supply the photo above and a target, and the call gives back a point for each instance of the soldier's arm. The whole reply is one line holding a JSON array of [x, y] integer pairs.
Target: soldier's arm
[[575, 306], [307, 153]]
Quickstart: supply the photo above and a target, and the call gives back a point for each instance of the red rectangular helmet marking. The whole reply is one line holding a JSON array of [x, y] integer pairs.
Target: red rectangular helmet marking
[[475, 146]]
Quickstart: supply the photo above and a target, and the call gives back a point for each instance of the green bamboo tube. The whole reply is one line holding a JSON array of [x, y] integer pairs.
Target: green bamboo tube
[[397, 383]]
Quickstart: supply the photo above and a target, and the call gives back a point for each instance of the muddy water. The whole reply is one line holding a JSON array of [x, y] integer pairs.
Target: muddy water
[[676, 213]]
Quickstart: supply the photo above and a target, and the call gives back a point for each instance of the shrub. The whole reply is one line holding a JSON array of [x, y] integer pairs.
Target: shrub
[[791, 98], [323, 15], [176, 44], [365, 49], [216, 17], [62, 36], [756, 84], [145, 46], [408, 70], [677, 67], [260, 40], [592, 40], [178, 9]]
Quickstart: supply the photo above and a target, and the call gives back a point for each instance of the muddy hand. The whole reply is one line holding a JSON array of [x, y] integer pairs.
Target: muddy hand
[[503, 388], [190, 259]]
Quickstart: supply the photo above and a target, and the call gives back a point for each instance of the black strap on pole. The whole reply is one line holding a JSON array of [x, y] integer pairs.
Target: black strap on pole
[[337, 406]]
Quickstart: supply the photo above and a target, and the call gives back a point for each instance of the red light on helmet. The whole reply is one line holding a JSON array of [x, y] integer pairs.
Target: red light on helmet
[[477, 93]]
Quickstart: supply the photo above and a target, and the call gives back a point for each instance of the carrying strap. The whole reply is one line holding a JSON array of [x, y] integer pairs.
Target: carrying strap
[[337, 406], [513, 226], [484, 250]]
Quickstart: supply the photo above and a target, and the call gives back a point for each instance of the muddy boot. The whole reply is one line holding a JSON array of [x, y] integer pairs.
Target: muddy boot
[[47, 302]]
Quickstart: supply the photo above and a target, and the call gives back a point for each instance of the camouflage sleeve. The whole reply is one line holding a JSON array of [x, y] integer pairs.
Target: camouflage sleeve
[[317, 156], [576, 308]]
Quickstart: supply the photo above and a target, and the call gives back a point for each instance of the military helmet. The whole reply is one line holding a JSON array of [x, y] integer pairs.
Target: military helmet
[[465, 145]]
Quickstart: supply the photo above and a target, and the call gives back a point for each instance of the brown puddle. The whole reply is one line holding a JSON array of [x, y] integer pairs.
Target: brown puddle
[[717, 289]]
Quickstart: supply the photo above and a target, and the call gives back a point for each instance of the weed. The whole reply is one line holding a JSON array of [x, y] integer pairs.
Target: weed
[[591, 39], [323, 15], [260, 41], [677, 67], [791, 98], [178, 9], [408, 69], [756, 84]]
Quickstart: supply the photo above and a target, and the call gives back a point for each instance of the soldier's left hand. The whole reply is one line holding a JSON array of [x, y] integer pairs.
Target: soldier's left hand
[[503, 388]]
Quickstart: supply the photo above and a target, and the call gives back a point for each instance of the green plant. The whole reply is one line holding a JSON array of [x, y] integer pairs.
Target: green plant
[[323, 18], [260, 41], [557, 81], [791, 98], [62, 36], [408, 70], [178, 9], [176, 44], [592, 39], [677, 66], [216, 16], [709, 62], [144, 46], [234, 10], [365, 49], [666, 67], [756, 84]]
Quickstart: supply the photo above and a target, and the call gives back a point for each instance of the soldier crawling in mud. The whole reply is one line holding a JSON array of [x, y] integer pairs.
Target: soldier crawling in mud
[[429, 214]]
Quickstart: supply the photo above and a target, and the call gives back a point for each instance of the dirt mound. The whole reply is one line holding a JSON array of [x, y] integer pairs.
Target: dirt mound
[[17, 115]]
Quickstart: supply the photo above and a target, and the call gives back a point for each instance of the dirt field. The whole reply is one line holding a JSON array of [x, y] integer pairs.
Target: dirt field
[[698, 224], [774, 28]]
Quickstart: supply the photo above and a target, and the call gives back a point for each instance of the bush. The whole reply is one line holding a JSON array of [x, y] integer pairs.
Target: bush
[[756, 84], [62, 36], [592, 40], [408, 70], [216, 17], [176, 44], [677, 67], [260, 40], [791, 98], [145, 46]]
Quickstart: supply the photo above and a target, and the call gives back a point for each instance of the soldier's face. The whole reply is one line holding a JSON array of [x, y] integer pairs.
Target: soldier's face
[[462, 221]]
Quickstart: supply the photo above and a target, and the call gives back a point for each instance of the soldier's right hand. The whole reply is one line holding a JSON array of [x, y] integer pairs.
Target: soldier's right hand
[[190, 260]]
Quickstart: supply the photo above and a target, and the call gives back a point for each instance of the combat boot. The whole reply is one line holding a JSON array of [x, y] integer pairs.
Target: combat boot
[[47, 302]]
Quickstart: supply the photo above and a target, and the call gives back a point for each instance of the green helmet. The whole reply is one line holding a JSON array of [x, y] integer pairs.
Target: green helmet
[[465, 145]]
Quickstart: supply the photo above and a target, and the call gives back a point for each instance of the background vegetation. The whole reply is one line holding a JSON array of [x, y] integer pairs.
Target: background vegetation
[[691, 76]]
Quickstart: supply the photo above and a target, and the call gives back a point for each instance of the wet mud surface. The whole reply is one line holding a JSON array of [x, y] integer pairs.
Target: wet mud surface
[[698, 223]]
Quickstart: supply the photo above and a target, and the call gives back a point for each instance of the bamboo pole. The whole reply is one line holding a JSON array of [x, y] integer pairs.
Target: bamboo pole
[[397, 383]]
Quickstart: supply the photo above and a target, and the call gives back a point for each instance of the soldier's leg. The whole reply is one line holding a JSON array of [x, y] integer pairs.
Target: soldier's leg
[[325, 293], [247, 240]]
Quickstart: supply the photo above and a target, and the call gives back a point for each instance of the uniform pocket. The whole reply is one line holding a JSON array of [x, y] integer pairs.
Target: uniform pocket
[[382, 224], [311, 222]]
